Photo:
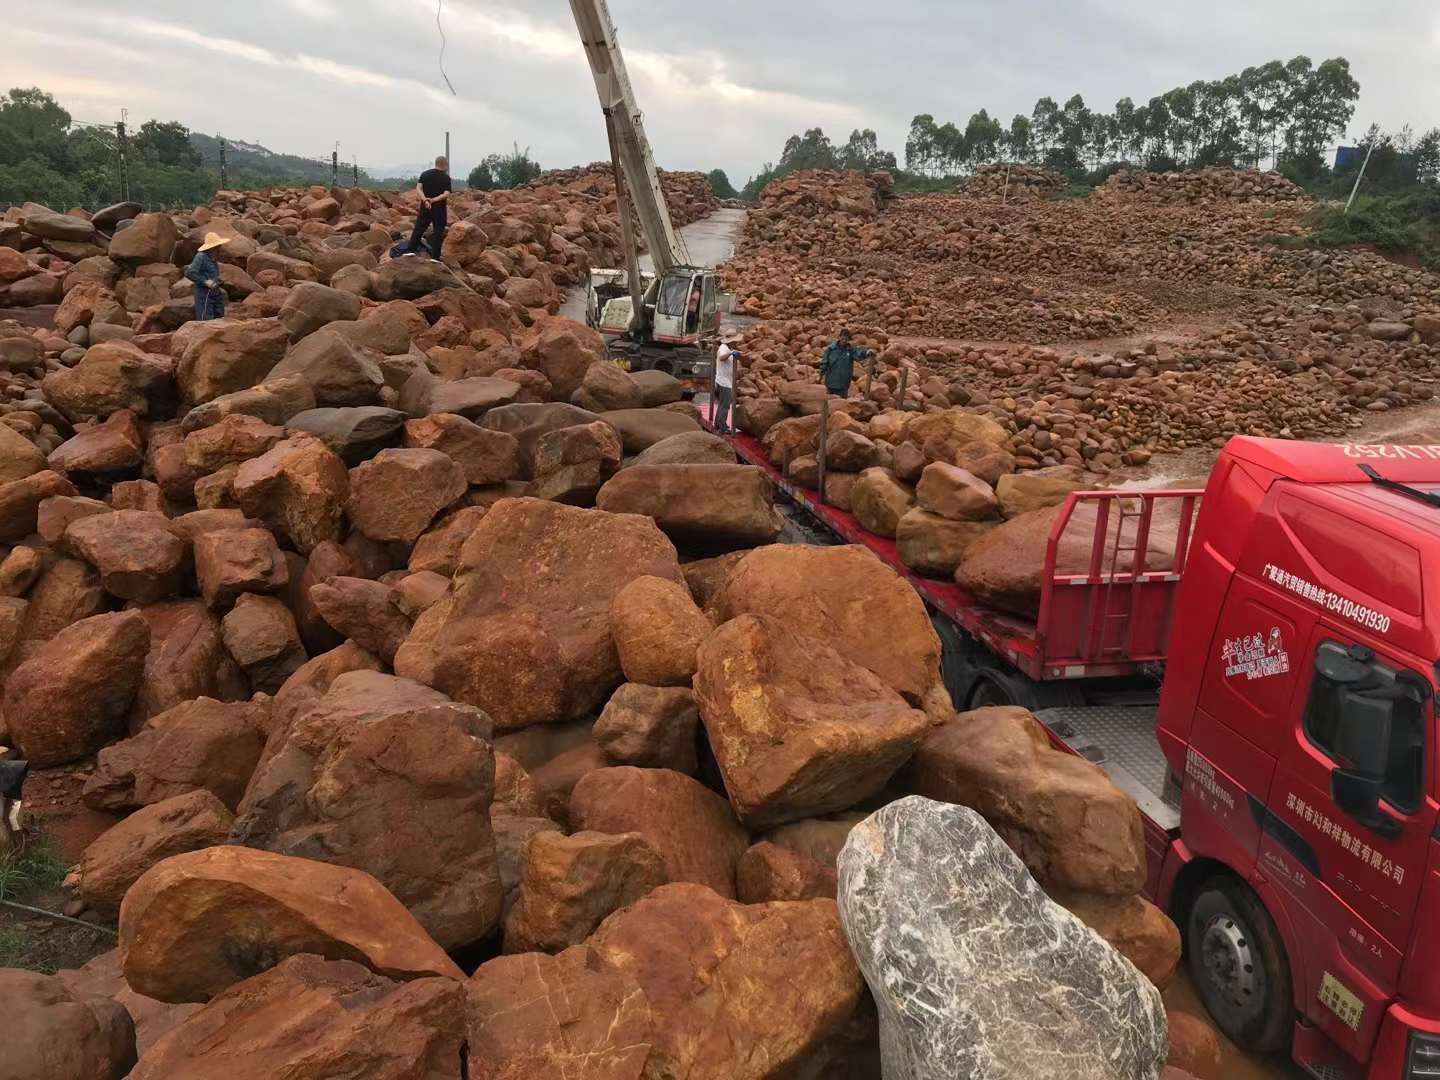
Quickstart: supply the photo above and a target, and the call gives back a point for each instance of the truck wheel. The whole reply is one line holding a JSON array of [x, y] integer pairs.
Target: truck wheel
[[1238, 964], [996, 688]]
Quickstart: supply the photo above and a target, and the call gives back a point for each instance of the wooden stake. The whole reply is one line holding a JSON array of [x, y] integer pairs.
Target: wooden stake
[[904, 381]]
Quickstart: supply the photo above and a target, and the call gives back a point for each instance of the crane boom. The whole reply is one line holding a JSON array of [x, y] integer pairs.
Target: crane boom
[[622, 113]]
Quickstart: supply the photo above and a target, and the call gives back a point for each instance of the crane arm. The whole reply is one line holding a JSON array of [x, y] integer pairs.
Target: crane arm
[[622, 113]]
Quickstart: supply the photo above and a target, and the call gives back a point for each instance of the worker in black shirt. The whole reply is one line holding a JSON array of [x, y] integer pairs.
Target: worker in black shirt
[[434, 190]]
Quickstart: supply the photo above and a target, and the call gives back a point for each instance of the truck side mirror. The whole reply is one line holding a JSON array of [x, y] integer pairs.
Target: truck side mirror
[[1363, 741]]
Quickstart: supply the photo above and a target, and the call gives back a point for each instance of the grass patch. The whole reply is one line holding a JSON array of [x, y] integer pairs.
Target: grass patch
[[33, 876], [1396, 224], [33, 871]]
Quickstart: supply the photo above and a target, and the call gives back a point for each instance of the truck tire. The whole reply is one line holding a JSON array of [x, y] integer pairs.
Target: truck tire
[[1239, 967]]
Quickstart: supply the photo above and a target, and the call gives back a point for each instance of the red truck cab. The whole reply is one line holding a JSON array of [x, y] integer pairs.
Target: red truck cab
[[1297, 715]]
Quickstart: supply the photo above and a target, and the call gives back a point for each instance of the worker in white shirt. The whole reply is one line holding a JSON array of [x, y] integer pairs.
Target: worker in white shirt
[[725, 363]]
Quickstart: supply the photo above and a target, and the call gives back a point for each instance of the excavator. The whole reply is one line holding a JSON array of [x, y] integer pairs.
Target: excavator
[[667, 319]]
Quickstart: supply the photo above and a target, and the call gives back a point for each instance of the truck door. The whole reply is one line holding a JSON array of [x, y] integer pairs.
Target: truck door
[[1354, 865]]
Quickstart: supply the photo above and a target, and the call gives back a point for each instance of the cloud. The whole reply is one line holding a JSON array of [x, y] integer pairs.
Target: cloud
[[186, 36], [718, 85]]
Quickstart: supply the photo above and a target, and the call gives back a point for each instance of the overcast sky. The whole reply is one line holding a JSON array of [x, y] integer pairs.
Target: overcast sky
[[722, 84]]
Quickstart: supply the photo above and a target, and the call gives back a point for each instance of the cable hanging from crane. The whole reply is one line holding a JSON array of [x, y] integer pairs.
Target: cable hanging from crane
[[439, 7]]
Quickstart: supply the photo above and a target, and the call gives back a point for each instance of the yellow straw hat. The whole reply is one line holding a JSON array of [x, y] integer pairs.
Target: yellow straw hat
[[213, 240]]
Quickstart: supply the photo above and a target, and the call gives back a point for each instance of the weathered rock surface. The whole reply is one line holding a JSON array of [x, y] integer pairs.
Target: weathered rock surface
[[651, 727], [229, 562], [539, 1017], [201, 922], [1141, 932], [1062, 815], [139, 556], [768, 872], [390, 777], [396, 495], [313, 1017], [529, 636], [71, 696], [847, 598], [879, 500], [935, 545], [686, 947], [117, 859], [261, 636], [974, 970], [54, 1033], [688, 824], [366, 612], [715, 505], [568, 884], [797, 729], [484, 456], [298, 488], [657, 629]]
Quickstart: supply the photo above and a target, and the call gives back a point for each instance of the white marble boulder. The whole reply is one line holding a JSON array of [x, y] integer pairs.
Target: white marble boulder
[[977, 974]]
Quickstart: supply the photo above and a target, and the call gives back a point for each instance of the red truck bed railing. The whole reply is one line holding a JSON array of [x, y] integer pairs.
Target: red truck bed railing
[[1110, 618]]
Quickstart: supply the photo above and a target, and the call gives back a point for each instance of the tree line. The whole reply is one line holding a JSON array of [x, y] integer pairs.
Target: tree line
[[1279, 111], [1289, 114]]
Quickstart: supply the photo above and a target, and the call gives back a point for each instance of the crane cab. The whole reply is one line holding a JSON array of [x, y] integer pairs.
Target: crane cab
[[678, 328]]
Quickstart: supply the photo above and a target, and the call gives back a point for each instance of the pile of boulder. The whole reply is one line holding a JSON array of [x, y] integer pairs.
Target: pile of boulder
[[1279, 342], [688, 195], [406, 633], [1203, 185], [531, 240], [1007, 180], [620, 780]]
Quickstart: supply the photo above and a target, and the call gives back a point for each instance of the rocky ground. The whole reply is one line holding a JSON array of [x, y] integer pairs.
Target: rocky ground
[[1079, 338], [439, 699]]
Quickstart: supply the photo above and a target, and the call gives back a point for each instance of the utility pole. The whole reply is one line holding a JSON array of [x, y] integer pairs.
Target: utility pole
[[223, 174], [122, 146], [447, 147], [334, 167], [355, 171], [1361, 175]]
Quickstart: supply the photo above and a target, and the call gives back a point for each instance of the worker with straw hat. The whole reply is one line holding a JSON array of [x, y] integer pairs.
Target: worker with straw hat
[[204, 272]]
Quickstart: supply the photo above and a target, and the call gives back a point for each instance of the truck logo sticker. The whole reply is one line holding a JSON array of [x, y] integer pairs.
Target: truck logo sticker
[[1256, 657], [1323, 597], [1342, 1001], [1203, 773], [1348, 841]]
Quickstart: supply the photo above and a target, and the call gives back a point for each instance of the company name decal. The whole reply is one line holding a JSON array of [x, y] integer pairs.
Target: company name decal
[[1330, 601]]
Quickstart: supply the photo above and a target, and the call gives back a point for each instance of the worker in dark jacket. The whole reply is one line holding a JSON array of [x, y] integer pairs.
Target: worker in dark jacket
[[837, 364], [434, 189], [204, 273]]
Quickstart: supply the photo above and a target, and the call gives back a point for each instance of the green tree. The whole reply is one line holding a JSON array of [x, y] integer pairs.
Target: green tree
[[1017, 139], [1321, 102], [982, 138], [501, 172], [813, 150], [1045, 127], [166, 143], [720, 184], [920, 149], [862, 152], [32, 124]]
